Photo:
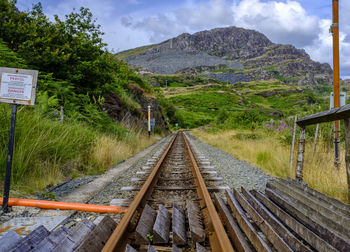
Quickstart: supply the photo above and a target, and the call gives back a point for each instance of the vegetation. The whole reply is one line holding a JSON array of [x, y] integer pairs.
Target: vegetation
[[77, 73], [246, 105], [263, 148]]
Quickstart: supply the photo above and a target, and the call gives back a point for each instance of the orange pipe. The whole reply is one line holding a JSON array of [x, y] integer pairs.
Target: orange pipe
[[46, 204]]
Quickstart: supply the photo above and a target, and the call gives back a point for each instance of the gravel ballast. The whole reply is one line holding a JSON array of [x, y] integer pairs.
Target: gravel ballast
[[235, 173]]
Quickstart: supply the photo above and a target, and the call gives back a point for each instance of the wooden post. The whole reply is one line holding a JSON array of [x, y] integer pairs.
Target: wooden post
[[61, 114], [347, 152], [293, 141], [329, 139], [316, 136], [300, 158]]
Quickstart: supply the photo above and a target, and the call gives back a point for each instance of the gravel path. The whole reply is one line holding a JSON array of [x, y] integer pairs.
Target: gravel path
[[235, 173]]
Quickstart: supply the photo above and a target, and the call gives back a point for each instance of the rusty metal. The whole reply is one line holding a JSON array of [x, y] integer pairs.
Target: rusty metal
[[117, 241], [218, 238]]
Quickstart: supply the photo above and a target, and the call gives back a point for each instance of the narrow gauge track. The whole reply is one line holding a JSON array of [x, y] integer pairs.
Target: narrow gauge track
[[173, 206], [175, 182]]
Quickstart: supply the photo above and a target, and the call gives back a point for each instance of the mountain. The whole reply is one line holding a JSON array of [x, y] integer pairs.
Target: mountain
[[230, 54]]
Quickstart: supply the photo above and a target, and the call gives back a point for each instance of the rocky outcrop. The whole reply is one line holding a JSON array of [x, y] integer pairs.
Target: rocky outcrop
[[235, 48]]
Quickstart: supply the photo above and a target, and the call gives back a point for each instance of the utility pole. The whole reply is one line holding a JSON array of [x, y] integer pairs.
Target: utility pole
[[335, 32]]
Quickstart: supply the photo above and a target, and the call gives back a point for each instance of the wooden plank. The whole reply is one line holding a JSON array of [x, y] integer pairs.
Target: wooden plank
[[347, 152], [323, 208], [129, 248], [176, 249], [151, 249], [200, 248], [72, 241], [178, 226], [9, 240], [120, 202], [234, 231], [253, 236], [264, 226], [306, 219], [158, 248], [174, 188], [145, 225], [310, 237], [313, 193], [278, 225], [324, 116], [96, 239], [313, 212], [195, 222], [161, 226], [51, 241], [32, 240]]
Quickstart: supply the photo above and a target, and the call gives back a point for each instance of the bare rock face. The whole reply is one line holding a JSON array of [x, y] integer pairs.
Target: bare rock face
[[246, 51]]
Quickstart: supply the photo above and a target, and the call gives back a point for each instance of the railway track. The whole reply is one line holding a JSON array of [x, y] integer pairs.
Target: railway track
[[179, 205]]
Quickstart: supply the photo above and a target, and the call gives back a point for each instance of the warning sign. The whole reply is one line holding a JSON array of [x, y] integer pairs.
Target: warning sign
[[18, 86]]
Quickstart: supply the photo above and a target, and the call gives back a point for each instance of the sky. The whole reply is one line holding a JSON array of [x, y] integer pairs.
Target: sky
[[131, 23]]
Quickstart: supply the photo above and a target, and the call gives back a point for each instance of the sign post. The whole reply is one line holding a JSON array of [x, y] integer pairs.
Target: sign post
[[17, 86], [149, 120]]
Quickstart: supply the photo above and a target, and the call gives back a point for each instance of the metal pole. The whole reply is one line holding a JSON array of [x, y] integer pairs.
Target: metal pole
[[335, 32], [9, 159], [149, 120]]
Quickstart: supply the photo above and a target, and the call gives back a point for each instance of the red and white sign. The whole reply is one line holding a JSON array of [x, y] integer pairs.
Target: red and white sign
[[18, 85]]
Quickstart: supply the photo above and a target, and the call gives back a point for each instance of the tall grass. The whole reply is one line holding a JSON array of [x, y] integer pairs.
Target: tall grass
[[266, 151], [47, 152]]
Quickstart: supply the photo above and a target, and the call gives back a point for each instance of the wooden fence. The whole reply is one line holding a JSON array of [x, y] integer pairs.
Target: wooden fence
[[342, 113]]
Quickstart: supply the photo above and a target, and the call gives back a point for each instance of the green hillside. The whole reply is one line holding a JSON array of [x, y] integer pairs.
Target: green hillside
[[246, 104]]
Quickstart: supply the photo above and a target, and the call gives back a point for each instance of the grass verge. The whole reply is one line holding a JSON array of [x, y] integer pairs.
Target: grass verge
[[48, 152], [265, 151]]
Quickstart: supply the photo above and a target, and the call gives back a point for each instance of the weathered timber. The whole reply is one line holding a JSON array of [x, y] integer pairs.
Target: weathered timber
[[306, 219], [253, 236], [314, 213], [264, 226], [326, 116], [52, 240], [195, 221], [310, 237], [161, 226], [278, 226], [129, 248], [151, 249], [200, 248], [145, 225], [178, 226], [300, 157], [174, 188], [120, 202], [323, 208], [176, 249], [235, 233], [347, 152], [156, 247], [334, 204], [9, 240], [72, 241], [30, 241], [96, 239]]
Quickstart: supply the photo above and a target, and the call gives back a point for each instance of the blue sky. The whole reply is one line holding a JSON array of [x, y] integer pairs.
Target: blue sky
[[131, 23]]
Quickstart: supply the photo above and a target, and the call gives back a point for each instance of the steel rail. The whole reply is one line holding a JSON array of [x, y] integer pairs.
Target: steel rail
[[218, 238], [117, 241]]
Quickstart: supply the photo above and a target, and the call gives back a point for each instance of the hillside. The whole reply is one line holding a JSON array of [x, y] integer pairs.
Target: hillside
[[236, 50]]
